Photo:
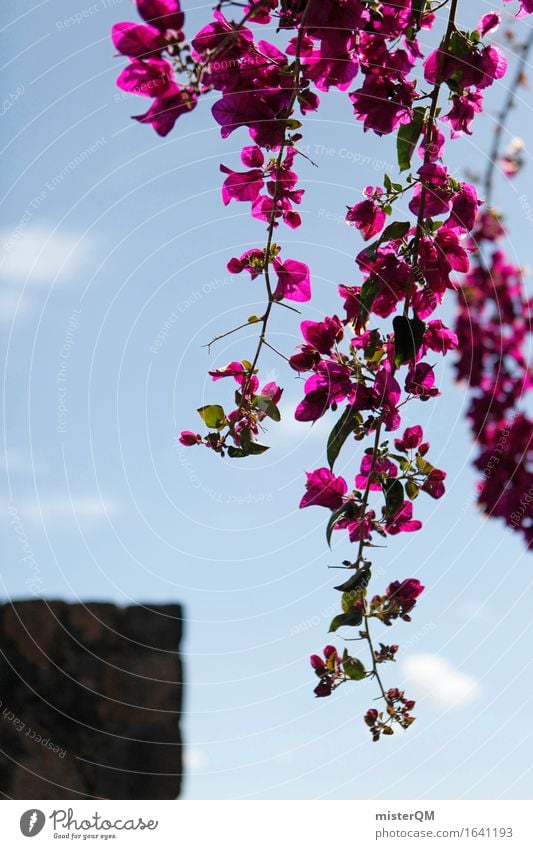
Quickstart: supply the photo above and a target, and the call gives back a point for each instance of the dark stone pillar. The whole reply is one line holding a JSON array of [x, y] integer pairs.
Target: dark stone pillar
[[90, 701]]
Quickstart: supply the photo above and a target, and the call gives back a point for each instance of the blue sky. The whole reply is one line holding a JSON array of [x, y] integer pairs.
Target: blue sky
[[112, 239]]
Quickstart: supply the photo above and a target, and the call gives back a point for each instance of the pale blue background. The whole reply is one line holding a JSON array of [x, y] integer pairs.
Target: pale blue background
[[113, 509]]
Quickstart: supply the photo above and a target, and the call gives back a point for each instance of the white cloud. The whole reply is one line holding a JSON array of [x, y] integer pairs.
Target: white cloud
[[61, 509], [440, 682], [38, 255]]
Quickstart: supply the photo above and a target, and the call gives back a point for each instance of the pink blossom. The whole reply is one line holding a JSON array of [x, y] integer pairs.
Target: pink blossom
[[241, 185], [323, 489], [150, 77], [368, 217], [293, 280], [165, 111], [234, 369], [412, 437], [403, 521], [439, 338], [163, 14], [434, 483], [137, 40], [322, 335], [488, 23], [189, 438]]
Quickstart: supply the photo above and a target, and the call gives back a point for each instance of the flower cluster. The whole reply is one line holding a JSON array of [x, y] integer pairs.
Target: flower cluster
[[494, 323], [364, 372]]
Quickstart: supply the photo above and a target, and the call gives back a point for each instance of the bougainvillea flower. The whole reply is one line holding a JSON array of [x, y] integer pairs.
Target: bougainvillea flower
[[294, 281], [234, 369], [137, 40], [165, 111], [149, 77], [434, 483], [368, 217], [404, 594], [252, 261], [412, 437], [377, 467], [383, 105], [420, 381], [163, 14], [439, 338], [241, 185], [323, 489], [188, 438], [488, 23], [313, 406], [403, 521], [322, 335]]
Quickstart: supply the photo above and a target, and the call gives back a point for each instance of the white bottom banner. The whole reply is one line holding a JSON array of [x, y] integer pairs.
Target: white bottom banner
[[260, 825]]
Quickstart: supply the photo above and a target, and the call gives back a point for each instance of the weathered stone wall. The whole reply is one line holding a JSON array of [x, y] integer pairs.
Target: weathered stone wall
[[90, 701]]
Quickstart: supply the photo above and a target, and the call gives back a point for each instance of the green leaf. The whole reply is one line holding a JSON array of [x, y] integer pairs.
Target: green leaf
[[348, 423], [336, 622], [394, 495], [352, 618], [412, 490], [213, 415], [354, 668], [423, 465], [266, 405], [396, 230], [407, 138], [249, 446], [359, 580], [236, 452], [408, 338], [417, 8], [367, 296], [339, 513]]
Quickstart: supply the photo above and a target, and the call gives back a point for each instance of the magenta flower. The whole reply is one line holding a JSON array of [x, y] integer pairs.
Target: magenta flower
[[382, 104], [440, 338], [163, 14], [137, 40], [404, 595], [293, 280], [412, 437], [387, 396], [241, 185], [313, 406], [165, 111], [420, 381], [383, 466], [233, 369], [150, 78], [403, 521], [323, 489], [189, 438], [252, 261], [434, 483], [488, 23], [368, 217], [465, 205], [322, 335]]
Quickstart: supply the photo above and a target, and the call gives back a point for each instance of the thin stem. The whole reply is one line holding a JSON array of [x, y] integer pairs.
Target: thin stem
[[375, 672], [272, 223], [228, 333], [443, 49]]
